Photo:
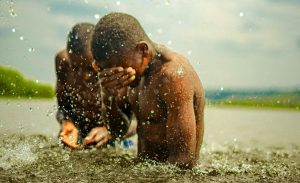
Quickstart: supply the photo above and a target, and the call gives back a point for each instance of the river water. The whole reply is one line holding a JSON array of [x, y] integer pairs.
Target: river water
[[240, 144]]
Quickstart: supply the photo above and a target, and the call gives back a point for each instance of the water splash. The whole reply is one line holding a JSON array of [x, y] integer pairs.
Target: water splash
[[31, 50], [180, 71]]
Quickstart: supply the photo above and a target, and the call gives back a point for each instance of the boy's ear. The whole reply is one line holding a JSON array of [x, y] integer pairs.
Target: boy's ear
[[143, 47]]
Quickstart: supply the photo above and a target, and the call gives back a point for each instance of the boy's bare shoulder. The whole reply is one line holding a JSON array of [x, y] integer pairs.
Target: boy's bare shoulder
[[62, 60], [178, 67], [177, 74], [62, 65]]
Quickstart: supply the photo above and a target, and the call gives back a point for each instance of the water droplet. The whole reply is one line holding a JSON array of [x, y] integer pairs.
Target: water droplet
[[221, 88], [189, 52], [13, 30], [31, 49], [179, 22], [241, 14], [37, 81], [41, 145], [159, 30], [21, 38], [12, 12], [66, 157], [167, 2], [152, 111], [169, 42], [97, 16], [118, 3], [49, 113], [86, 1], [180, 71], [30, 109]]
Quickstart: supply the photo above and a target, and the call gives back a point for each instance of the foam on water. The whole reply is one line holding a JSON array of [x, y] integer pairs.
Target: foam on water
[[42, 159], [15, 155]]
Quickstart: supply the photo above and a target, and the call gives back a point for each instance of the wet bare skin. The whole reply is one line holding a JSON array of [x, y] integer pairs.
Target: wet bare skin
[[169, 103], [79, 87]]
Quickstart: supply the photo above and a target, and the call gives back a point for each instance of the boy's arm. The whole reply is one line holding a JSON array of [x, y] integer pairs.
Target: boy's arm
[[69, 132], [61, 68], [181, 122]]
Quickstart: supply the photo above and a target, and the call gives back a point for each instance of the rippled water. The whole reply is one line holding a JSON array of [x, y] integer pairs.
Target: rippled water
[[39, 158], [240, 145]]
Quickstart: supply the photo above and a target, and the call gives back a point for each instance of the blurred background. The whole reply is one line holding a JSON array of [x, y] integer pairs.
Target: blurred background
[[237, 44], [245, 52]]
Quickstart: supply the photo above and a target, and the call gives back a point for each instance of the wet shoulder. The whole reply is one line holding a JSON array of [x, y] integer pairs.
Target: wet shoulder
[[177, 71], [177, 67], [62, 64], [62, 60]]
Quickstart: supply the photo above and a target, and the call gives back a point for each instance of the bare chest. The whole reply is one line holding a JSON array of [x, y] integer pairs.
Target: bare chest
[[147, 104]]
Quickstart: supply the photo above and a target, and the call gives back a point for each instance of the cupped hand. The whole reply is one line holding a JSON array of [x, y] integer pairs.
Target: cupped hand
[[69, 134], [117, 77], [99, 135]]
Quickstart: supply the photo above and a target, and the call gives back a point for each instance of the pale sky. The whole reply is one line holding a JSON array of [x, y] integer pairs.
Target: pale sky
[[231, 44]]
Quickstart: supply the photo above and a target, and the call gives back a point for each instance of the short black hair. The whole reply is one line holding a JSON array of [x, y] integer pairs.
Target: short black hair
[[79, 38], [116, 34]]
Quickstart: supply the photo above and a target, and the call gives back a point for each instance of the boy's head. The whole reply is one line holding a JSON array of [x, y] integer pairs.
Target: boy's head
[[78, 42], [119, 40]]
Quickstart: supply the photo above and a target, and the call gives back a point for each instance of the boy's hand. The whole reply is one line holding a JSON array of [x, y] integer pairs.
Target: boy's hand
[[98, 135], [69, 134], [117, 77]]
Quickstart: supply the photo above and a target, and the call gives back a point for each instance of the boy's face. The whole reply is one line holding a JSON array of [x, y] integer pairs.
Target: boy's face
[[133, 59]]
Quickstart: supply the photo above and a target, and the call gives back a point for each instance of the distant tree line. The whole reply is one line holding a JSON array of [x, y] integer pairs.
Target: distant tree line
[[13, 84]]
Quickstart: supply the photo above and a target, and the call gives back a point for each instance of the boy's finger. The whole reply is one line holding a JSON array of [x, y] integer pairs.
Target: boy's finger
[[126, 82], [90, 138], [100, 143], [99, 137], [65, 140], [110, 71], [125, 77], [113, 84], [107, 79], [130, 70]]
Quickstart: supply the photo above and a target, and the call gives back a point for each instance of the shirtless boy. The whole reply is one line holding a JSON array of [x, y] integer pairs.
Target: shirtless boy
[[78, 92], [166, 96]]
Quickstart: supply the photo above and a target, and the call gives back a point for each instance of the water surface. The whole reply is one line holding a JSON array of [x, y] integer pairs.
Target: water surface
[[240, 145]]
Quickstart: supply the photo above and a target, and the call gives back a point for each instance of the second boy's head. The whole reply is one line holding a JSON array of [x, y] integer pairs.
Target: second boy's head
[[119, 40], [78, 43]]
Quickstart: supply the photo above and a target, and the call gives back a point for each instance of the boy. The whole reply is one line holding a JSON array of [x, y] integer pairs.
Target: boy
[[166, 96], [78, 92]]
